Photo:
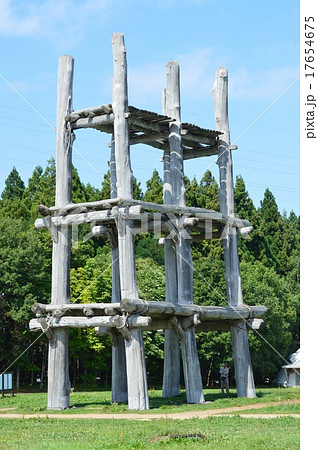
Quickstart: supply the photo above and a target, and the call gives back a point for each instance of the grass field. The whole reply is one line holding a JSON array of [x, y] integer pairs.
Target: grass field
[[212, 432]]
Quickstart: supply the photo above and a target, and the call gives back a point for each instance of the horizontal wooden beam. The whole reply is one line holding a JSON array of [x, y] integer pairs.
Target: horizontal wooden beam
[[106, 121], [90, 322], [108, 309], [89, 112], [200, 213], [152, 309], [158, 324], [159, 309], [69, 207], [199, 152]]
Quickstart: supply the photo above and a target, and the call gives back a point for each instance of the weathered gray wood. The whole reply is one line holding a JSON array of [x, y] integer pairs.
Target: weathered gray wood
[[119, 377], [101, 211], [153, 309], [90, 322], [161, 309], [171, 367], [241, 355], [110, 309], [68, 208], [89, 112], [190, 361], [58, 374], [94, 122], [200, 213], [135, 360], [191, 368], [76, 219]]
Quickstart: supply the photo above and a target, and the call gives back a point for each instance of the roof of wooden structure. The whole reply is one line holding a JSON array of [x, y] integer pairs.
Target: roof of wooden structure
[[149, 128]]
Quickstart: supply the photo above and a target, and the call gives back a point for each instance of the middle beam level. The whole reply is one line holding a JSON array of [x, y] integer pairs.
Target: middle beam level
[[107, 211]]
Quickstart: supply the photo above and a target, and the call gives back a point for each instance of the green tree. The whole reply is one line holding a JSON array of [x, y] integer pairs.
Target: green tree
[[11, 205], [243, 204], [14, 186], [208, 195], [154, 191], [262, 285], [24, 280], [79, 193]]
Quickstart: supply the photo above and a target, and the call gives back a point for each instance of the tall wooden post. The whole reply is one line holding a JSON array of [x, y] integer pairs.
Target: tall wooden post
[[241, 355], [171, 368], [135, 358], [119, 378], [190, 360], [58, 370]]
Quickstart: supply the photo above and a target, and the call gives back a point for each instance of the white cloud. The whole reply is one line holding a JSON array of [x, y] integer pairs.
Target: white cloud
[[13, 24], [197, 70], [263, 84], [53, 19]]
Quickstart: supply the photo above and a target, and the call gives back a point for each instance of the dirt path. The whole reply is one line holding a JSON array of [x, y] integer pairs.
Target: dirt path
[[178, 415]]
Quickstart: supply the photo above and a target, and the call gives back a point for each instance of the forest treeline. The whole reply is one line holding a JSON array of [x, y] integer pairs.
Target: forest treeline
[[269, 270]]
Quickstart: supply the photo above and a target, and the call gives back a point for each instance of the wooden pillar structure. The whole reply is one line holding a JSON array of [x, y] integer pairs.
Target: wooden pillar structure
[[58, 371], [120, 217], [135, 358], [241, 355]]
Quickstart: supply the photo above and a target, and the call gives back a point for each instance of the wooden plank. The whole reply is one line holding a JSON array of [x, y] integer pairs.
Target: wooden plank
[[241, 355], [58, 374], [135, 358]]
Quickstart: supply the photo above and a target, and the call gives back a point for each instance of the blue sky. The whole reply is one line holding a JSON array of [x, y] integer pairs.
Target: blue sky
[[257, 41]]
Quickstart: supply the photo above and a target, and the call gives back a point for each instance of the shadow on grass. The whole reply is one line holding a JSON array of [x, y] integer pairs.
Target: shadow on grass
[[155, 401]]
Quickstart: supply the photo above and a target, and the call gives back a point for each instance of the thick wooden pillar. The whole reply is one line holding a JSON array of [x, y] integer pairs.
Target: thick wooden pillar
[[190, 361], [241, 355], [119, 378], [58, 370], [135, 358], [171, 368]]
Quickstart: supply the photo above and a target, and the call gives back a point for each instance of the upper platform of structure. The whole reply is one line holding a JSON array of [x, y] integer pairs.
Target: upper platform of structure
[[149, 128]]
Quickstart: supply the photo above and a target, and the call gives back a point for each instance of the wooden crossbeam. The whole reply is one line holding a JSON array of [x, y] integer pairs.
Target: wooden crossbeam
[[153, 309]]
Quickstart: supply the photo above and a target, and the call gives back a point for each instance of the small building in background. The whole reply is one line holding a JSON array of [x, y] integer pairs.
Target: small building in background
[[292, 370], [289, 375]]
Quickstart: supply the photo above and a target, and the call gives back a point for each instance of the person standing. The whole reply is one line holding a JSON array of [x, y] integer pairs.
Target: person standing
[[224, 374]]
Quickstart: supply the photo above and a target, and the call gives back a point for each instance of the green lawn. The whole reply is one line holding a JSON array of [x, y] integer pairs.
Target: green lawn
[[100, 402], [224, 432], [212, 432]]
